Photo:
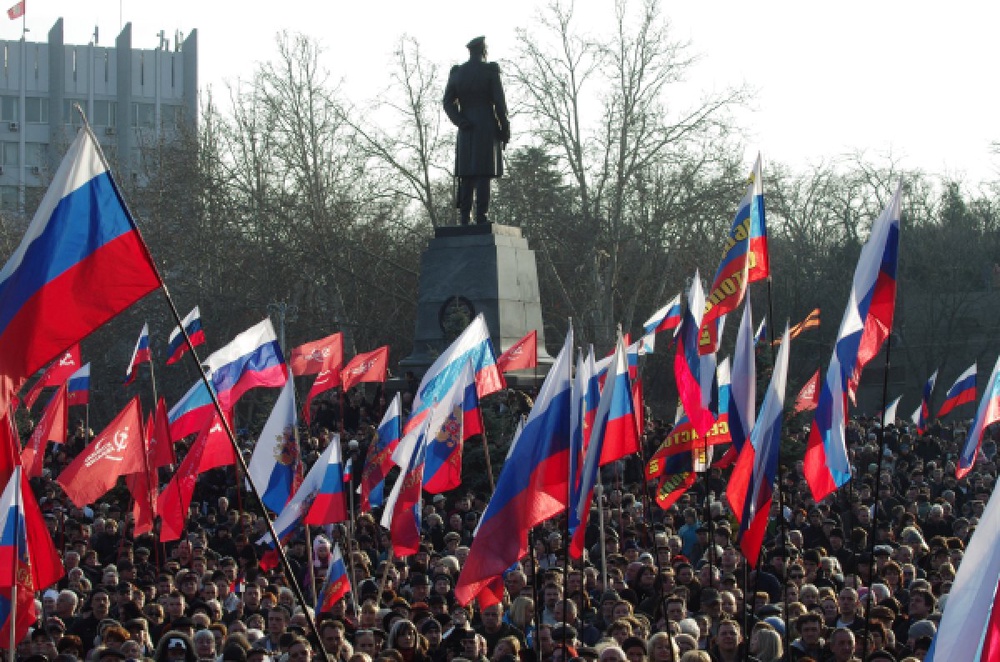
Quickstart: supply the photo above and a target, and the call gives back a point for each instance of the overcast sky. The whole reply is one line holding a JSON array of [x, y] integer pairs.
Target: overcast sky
[[911, 78]]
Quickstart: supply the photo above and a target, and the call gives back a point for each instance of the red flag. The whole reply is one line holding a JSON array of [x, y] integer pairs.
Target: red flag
[[55, 375], [808, 397], [639, 407], [211, 449], [368, 367], [318, 355], [52, 427], [117, 451], [522, 355], [325, 380], [17, 11], [160, 444], [141, 485]]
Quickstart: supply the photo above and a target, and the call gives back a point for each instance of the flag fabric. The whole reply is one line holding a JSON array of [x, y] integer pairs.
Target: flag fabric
[[987, 414], [811, 321], [866, 324], [923, 413], [116, 451], [402, 513], [743, 383], [16, 585], [522, 355], [252, 359], [808, 397], [78, 387], [456, 418], [889, 417], [320, 497], [190, 414], [759, 334], [368, 367], [676, 478], [17, 11], [176, 345], [210, 450], [140, 354], [667, 318], [532, 487], [337, 583], [276, 465], [53, 427], [325, 380], [143, 485], [80, 263], [313, 357], [744, 260], [55, 375], [973, 595], [583, 410], [614, 436], [378, 461], [751, 486], [159, 443], [349, 470], [473, 344], [687, 361], [961, 392]]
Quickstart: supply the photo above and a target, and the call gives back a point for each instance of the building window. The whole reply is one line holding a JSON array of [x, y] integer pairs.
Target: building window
[[171, 116], [36, 110], [143, 115], [9, 153], [36, 154], [8, 197], [105, 113], [8, 109]]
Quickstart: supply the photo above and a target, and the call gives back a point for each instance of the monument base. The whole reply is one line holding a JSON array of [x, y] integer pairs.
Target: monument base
[[467, 270]]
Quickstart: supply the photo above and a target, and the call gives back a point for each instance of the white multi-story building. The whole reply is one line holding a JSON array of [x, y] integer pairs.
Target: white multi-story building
[[133, 98]]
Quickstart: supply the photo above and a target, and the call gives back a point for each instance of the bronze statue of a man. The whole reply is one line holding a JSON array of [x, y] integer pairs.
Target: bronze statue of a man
[[475, 103]]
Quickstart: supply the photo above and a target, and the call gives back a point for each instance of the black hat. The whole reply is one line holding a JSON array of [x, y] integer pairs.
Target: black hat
[[419, 579], [477, 44]]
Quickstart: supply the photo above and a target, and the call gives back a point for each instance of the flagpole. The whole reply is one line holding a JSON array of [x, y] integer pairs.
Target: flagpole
[[350, 538], [489, 464], [152, 481], [240, 461], [17, 558]]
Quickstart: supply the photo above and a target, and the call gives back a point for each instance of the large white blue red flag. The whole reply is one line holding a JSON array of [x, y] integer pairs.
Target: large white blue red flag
[[744, 260], [190, 414], [80, 263], [961, 392], [689, 368], [456, 418], [751, 486], [276, 466], [252, 359], [140, 354], [866, 324], [533, 486], [473, 345], [176, 345], [987, 414]]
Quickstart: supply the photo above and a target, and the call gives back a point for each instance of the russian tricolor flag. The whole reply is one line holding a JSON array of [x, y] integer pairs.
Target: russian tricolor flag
[[987, 414], [751, 486], [402, 514], [533, 486], [923, 412], [276, 464], [176, 345], [80, 263], [140, 354], [252, 359], [961, 392], [190, 414], [688, 362], [378, 462], [472, 345], [866, 324], [456, 418], [337, 583], [667, 318], [78, 387], [15, 578]]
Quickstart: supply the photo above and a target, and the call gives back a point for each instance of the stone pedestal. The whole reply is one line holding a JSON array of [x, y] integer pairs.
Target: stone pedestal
[[467, 270]]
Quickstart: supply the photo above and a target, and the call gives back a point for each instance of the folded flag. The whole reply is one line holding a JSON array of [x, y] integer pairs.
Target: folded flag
[[402, 513], [889, 417], [318, 355], [52, 427], [140, 354], [16, 585], [667, 318], [808, 397], [456, 418], [176, 345], [78, 391], [961, 392], [743, 383], [81, 262], [688, 363], [987, 414], [55, 375], [252, 359], [337, 584], [192, 412], [522, 355], [159, 443], [923, 413], [368, 367], [276, 465], [378, 462]]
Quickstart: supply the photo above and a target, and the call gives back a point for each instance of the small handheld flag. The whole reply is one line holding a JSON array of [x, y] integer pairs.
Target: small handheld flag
[[140, 354], [176, 345]]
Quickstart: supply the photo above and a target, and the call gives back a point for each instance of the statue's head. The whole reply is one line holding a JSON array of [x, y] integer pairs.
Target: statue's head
[[477, 47]]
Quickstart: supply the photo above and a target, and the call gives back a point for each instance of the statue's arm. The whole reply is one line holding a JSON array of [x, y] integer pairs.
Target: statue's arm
[[451, 105], [500, 105]]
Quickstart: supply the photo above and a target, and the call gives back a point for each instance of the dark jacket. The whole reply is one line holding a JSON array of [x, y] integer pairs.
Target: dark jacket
[[474, 102]]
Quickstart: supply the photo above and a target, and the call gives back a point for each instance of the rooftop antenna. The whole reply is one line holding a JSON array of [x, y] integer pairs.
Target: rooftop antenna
[[96, 36]]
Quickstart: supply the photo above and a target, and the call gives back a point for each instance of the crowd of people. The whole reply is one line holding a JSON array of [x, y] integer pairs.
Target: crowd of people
[[863, 575]]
